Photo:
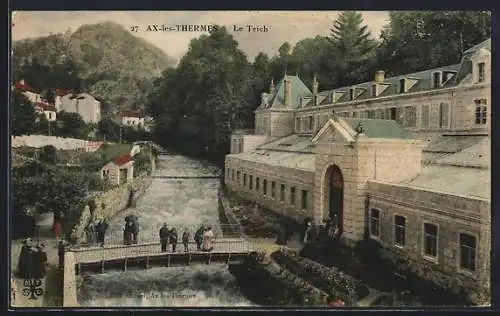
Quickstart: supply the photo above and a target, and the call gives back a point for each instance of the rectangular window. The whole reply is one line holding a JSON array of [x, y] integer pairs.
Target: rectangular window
[[399, 230], [381, 114], [257, 184], [264, 187], [354, 114], [392, 114], [402, 86], [311, 123], [424, 116], [444, 109], [436, 80], [304, 200], [282, 193], [297, 124], [351, 94], [430, 240], [374, 222], [232, 175], [374, 90], [292, 196], [244, 179], [481, 111], [250, 182], [273, 189], [467, 252], [410, 116], [480, 72], [238, 176], [371, 114]]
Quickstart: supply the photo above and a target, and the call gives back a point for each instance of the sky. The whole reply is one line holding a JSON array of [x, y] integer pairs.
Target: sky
[[282, 26]]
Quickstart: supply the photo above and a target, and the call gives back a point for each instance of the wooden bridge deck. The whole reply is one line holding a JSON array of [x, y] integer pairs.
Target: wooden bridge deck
[[99, 259]]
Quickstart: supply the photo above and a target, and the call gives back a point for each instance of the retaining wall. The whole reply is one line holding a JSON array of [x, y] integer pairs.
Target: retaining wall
[[114, 200]]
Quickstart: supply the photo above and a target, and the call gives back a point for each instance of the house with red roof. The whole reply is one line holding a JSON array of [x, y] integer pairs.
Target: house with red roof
[[48, 109], [58, 98], [119, 170], [28, 91], [133, 119]]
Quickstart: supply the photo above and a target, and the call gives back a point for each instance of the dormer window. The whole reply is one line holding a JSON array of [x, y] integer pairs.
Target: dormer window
[[402, 83], [374, 90], [480, 72], [351, 94], [436, 80]]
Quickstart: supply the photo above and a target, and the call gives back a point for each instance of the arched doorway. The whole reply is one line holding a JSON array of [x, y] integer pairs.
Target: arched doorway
[[335, 205]]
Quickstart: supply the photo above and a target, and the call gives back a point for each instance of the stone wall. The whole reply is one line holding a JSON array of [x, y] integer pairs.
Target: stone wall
[[69, 281], [114, 200], [39, 141], [452, 215]]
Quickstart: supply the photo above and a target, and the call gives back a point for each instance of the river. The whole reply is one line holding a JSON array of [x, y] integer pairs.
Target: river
[[182, 203]]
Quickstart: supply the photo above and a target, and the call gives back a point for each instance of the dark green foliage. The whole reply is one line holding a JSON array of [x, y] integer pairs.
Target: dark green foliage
[[71, 125], [23, 115], [142, 163], [48, 154]]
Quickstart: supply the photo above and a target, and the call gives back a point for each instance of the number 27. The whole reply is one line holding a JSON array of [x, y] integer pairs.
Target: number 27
[[134, 28]]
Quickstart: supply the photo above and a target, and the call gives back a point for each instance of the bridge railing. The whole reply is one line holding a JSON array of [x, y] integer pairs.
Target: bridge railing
[[150, 234], [113, 252]]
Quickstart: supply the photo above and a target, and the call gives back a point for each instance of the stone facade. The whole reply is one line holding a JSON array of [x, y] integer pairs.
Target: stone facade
[[114, 201], [394, 142], [84, 104]]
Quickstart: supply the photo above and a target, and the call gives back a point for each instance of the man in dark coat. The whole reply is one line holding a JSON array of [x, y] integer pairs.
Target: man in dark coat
[[39, 262], [173, 239], [185, 239], [102, 227], [135, 231], [22, 265], [61, 251], [198, 237], [164, 235], [127, 233]]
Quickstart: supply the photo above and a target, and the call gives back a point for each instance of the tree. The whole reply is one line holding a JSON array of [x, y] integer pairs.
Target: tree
[[23, 115], [48, 154], [42, 124], [142, 163], [417, 40], [353, 48], [71, 125], [108, 129]]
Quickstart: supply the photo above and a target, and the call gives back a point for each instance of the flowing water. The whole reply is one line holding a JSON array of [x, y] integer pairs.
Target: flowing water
[[181, 203]]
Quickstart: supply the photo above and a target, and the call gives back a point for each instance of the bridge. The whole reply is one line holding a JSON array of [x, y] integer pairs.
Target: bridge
[[185, 177], [146, 255]]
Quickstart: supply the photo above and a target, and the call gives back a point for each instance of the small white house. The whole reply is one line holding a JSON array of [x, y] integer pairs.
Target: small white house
[[84, 104], [59, 93], [118, 171], [133, 119], [48, 109], [28, 91]]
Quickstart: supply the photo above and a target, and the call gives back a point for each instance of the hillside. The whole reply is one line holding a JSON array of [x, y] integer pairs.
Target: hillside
[[106, 59]]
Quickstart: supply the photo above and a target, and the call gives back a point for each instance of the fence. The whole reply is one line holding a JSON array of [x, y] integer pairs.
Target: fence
[[150, 234]]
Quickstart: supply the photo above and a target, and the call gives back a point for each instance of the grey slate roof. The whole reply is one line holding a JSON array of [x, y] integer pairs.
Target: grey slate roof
[[290, 160], [292, 143], [277, 100], [376, 128]]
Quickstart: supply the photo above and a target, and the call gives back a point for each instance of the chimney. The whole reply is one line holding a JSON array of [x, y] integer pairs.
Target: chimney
[[288, 92], [315, 85], [379, 76], [272, 88]]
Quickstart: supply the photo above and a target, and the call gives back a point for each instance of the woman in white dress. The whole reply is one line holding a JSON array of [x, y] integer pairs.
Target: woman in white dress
[[208, 239]]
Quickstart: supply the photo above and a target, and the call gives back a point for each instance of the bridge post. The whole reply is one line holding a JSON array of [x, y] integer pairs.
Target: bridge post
[[102, 266], [189, 259], [168, 260], [147, 262], [125, 265]]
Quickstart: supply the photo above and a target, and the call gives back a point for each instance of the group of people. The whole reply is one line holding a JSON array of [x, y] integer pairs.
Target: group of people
[[96, 232], [32, 260], [204, 238], [327, 232]]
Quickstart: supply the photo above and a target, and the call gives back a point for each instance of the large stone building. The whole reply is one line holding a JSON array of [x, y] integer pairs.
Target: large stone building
[[403, 160]]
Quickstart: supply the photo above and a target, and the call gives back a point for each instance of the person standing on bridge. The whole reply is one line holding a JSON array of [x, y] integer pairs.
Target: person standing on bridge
[[173, 239], [39, 262], [164, 235], [208, 238], [185, 239], [198, 237]]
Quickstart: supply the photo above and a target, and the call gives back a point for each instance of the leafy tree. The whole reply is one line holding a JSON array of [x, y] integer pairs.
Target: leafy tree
[[108, 129], [417, 40], [71, 125], [142, 163], [48, 154], [42, 125], [23, 115], [353, 48]]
